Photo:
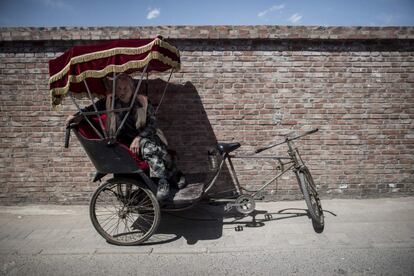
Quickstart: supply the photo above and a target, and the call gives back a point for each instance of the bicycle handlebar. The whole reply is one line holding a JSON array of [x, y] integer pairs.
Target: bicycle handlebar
[[67, 134], [311, 131], [287, 140], [306, 133], [67, 137]]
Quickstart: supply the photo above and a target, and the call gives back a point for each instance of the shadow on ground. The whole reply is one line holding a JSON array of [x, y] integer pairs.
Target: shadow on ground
[[206, 222]]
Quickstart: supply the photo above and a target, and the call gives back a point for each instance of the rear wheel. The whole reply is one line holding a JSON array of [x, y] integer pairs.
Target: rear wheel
[[312, 200], [124, 211]]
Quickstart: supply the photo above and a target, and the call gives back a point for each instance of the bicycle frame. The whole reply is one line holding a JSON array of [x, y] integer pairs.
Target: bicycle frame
[[292, 162]]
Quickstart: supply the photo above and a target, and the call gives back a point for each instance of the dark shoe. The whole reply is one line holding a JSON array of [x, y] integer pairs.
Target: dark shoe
[[163, 189], [182, 183]]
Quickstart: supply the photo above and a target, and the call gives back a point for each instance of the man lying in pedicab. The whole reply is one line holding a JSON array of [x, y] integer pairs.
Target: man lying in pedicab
[[129, 119]]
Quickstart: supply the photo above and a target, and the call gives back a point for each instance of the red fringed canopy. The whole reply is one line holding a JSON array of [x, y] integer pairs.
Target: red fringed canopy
[[93, 62]]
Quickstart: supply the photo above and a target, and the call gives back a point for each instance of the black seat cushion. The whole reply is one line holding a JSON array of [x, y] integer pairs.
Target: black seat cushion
[[228, 147]]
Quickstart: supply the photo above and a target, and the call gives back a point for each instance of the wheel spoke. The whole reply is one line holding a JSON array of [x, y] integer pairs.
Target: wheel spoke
[[144, 201], [108, 220], [113, 226], [117, 225]]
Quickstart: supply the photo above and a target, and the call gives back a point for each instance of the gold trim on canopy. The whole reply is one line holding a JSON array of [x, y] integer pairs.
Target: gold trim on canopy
[[112, 52], [57, 93]]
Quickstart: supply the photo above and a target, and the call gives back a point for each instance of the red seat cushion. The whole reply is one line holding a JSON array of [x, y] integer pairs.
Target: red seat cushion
[[140, 163], [87, 132]]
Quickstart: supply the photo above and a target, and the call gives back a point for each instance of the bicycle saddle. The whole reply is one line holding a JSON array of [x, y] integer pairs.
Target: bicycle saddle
[[228, 147]]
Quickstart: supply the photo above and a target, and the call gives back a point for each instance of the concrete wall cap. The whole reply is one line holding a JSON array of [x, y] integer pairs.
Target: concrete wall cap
[[206, 32]]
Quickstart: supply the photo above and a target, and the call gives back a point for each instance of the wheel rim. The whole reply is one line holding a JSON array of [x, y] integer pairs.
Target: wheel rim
[[125, 213]]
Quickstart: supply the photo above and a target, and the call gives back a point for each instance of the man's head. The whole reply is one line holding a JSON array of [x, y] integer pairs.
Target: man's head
[[124, 88]]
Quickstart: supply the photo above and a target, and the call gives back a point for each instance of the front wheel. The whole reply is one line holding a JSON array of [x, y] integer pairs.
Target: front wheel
[[312, 200], [124, 211]]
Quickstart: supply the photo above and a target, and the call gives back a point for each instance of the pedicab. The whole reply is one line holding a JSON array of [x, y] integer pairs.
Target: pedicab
[[124, 209]]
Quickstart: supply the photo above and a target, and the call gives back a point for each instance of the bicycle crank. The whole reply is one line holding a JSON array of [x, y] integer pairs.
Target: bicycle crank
[[245, 204]]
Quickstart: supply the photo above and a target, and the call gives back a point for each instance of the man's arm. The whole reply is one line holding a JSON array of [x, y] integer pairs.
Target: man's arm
[[150, 128]]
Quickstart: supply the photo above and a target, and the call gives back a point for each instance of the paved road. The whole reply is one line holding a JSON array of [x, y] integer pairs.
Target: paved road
[[374, 237]]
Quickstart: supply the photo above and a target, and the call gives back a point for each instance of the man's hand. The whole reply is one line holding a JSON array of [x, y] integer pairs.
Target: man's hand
[[69, 119], [73, 119], [134, 147]]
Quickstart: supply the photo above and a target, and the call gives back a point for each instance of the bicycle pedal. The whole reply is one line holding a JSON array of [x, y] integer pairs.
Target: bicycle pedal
[[238, 228], [268, 216]]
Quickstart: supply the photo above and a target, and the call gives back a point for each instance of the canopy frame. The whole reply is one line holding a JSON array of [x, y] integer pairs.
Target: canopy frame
[[69, 71], [83, 68], [108, 134]]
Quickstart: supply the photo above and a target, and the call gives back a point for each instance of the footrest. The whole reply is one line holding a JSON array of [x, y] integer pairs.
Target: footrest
[[189, 194]]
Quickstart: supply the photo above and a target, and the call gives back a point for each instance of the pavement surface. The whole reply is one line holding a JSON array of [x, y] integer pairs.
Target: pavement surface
[[361, 237]]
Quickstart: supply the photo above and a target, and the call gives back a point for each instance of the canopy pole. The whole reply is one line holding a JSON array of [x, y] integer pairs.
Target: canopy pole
[[165, 90], [81, 112], [132, 101], [96, 110], [146, 87], [138, 86], [111, 112], [113, 91]]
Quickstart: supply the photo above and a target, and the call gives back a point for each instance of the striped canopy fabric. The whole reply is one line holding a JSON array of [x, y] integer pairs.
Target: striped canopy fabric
[[94, 62]]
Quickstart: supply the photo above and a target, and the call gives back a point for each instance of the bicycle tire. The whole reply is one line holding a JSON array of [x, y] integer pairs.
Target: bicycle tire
[[312, 200], [124, 204]]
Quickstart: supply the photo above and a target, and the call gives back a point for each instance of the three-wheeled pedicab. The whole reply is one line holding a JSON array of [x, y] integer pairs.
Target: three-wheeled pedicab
[[124, 209]]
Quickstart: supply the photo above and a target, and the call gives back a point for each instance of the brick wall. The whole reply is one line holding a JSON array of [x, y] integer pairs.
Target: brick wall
[[249, 84]]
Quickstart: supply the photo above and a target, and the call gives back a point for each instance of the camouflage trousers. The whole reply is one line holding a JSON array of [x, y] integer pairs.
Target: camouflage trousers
[[155, 153]]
